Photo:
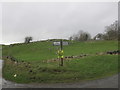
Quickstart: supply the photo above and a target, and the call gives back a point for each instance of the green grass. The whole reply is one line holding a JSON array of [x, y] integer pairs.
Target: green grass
[[45, 50], [80, 69], [91, 67]]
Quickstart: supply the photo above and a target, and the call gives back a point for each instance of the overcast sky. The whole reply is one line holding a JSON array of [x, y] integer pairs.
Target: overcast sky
[[54, 19]]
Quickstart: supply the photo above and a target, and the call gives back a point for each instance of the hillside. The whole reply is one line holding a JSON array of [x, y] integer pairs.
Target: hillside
[[45, 50], [39, 64]]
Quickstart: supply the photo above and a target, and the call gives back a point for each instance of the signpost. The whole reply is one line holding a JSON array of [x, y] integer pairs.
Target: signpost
[[60, 51], [58, 43]]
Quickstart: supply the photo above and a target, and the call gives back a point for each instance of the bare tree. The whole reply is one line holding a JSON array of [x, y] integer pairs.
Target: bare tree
[[99, 36], [84, 36], [111, 32], [28, 39], [70, 38], [75, 37], [81, 36]]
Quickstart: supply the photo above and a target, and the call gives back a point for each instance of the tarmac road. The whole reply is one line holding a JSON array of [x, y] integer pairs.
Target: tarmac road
[[109, 82]]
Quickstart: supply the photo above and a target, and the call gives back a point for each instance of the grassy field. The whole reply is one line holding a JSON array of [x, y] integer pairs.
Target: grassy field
[[45, 50], [32, 65]]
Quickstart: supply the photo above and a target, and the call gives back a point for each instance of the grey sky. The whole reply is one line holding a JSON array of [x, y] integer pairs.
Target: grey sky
[[55, 19]]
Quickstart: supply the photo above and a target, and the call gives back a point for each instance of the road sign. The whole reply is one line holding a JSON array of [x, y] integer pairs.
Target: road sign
[[56, 43], [59, 43]]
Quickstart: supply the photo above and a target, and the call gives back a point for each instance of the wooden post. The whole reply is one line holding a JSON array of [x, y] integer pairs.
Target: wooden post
[[61, 61], [61, 47], [61, 44]]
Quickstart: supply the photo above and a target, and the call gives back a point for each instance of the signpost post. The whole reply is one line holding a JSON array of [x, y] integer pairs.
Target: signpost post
[[60, 51], [61, 47]]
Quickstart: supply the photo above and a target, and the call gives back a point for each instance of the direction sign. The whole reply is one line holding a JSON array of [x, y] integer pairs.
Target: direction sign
[[58, 43]]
